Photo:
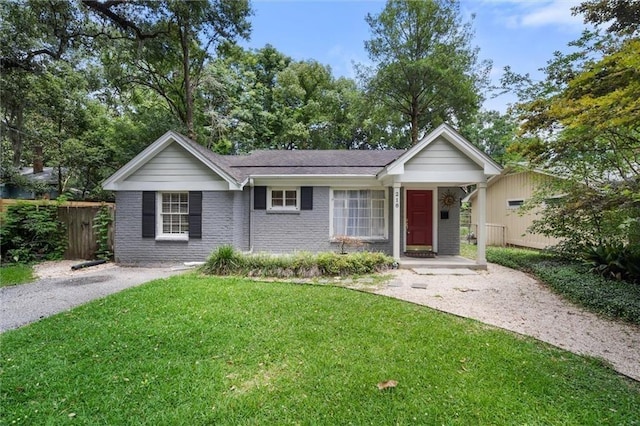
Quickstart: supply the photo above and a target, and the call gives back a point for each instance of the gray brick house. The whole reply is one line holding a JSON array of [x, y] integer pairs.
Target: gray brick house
[[178, 201]]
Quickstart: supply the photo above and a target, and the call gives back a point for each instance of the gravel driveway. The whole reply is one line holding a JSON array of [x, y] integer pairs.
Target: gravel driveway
[[59, 289]]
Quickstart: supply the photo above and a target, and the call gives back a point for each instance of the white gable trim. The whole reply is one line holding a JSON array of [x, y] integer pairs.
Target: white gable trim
[[117, 181], [489, 166]]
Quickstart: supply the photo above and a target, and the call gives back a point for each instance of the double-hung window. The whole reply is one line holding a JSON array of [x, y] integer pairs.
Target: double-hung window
[[359, 213], [283, 199], [173, 215]]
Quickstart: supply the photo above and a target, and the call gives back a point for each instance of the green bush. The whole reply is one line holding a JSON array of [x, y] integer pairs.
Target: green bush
[[516, 258], [226, 261], [32, 232], [101, 224], [616, 260], [223, 261]]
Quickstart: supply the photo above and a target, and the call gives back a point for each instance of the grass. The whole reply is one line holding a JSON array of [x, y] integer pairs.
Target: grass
[[15, 274], [573, 280], [194, 350]]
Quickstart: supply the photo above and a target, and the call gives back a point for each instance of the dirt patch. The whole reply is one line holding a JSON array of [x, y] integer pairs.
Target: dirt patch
[[62, 268]]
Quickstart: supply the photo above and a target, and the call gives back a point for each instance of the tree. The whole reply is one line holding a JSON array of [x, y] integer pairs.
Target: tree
[[33, 34], [425, 67], [263, 100], [164, 45], [583, 124], [493, 133], [624, 15]]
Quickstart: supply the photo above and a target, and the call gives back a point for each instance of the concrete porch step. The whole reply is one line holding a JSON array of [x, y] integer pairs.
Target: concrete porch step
[[440, 262]]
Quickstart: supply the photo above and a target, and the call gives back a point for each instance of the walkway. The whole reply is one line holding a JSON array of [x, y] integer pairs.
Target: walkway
[[514, 301]]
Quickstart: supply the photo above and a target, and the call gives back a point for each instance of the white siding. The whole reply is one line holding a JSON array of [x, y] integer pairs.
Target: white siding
[[173, 164], [441, 156]]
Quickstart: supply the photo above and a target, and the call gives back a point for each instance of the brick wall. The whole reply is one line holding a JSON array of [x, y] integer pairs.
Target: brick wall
[[218, 219], [305, 230], [449, 229], [227, 219]]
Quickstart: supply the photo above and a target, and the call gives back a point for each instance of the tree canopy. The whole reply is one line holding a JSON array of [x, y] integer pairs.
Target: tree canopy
[[424, 65], [583, 124]]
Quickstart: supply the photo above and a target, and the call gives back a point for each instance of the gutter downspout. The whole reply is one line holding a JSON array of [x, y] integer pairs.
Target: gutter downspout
[[251, 215]]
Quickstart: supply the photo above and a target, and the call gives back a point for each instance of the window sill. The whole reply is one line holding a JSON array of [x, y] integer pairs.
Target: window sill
[[283, 211], [371, 240], [184, 238]]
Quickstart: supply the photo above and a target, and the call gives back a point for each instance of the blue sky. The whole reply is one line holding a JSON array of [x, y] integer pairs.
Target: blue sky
[[520, 33]]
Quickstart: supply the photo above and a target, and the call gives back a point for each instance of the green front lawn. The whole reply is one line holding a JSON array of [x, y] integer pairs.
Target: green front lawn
[[203, 350], [15, 274], [572, 280]]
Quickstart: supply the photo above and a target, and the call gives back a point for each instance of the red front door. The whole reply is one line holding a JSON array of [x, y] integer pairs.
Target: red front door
[[419, 218]]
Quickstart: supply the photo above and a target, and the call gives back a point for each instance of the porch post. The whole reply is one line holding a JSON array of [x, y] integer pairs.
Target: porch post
[[396, 221], [481, 256]]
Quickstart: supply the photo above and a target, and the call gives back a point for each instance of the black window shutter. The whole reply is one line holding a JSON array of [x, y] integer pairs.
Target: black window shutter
[[195, 214], [148, 214], [260, 198], [306, 198]]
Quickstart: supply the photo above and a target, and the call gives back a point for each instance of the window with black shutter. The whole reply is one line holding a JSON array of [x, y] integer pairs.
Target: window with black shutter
[[260, 198], [148, 214]]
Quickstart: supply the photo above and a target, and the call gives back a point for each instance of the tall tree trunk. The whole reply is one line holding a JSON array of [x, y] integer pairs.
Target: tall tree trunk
[[60, 185], [414, 121], [186, 69], [15, 134]]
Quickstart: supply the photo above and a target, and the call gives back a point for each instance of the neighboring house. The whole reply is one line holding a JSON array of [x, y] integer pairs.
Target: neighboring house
[[178, 201], [45, 177], [506, 223]]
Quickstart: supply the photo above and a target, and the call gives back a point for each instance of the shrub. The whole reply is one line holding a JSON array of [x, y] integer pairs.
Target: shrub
[[31, 232], [223, 261], [615, 260], [516, 258], [226, 261], [333, 264], [102, 224]]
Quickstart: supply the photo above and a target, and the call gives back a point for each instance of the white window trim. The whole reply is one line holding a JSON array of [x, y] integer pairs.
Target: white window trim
[[160, 235], [385, 237], [270, 207], [514, 207]]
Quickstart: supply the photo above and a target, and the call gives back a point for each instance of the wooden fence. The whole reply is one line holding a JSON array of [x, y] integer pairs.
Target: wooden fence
[[78, 218]]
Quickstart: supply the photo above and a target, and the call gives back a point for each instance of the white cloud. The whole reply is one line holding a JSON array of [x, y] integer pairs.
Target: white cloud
[[557, 12], [535, 13], [342, 61]]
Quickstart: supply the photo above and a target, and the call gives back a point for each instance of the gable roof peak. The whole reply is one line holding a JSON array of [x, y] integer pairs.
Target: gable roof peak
[[452, 136]]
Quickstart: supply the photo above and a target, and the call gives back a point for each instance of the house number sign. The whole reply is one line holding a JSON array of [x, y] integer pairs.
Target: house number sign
[[396, 197]]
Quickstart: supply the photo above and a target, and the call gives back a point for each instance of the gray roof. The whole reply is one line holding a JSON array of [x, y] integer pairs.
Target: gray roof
[[48, 175], [300, 162], [310, 162]]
